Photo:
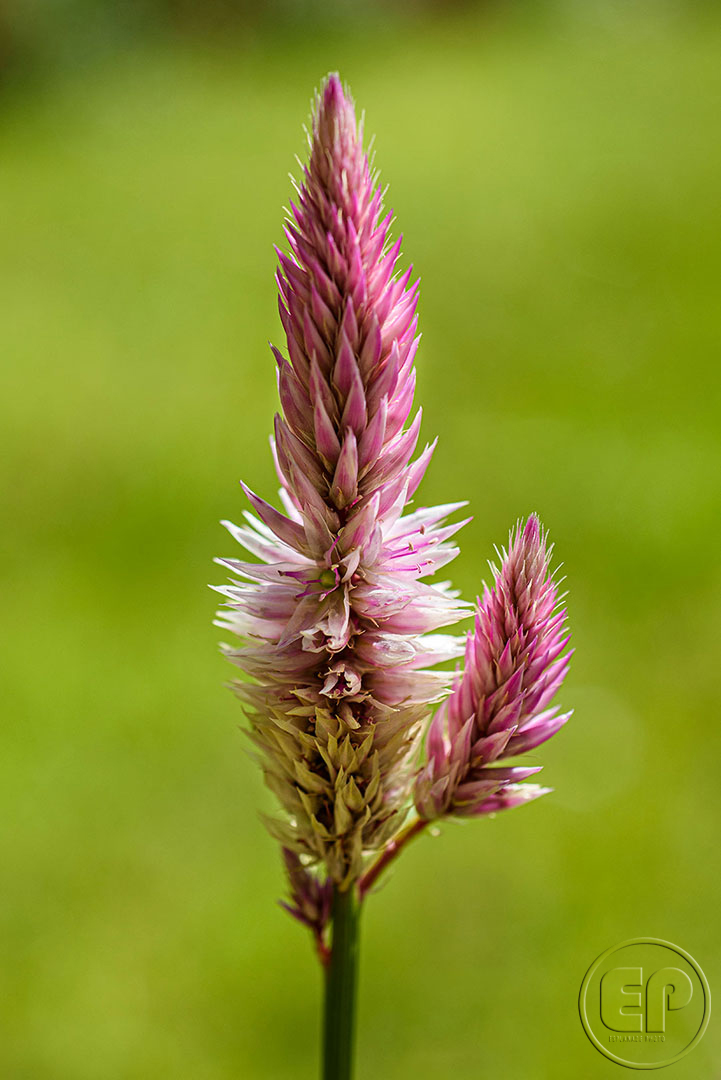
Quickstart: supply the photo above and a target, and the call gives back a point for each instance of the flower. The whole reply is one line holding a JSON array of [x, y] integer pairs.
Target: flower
[[311, 900], [334, 616], [500, 705]]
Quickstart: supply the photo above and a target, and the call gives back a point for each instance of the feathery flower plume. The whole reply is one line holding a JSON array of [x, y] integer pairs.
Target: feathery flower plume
[[499, 705], [335, 616]]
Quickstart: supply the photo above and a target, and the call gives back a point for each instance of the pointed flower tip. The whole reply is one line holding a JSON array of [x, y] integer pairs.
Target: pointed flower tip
[[333, 89], [532, 530], [333, 100]]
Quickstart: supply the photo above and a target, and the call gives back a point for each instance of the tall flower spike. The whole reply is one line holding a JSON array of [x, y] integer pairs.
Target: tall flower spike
[[334, 616], [499, 706]]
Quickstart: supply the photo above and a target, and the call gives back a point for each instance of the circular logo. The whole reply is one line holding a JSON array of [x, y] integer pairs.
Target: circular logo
[[645, 1003]]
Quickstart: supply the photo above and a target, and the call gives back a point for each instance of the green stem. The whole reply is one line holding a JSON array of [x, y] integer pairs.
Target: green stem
[[340, 988]]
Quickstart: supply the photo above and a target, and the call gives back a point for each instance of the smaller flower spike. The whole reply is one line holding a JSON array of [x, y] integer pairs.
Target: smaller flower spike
[[499, 705], [311, 899]]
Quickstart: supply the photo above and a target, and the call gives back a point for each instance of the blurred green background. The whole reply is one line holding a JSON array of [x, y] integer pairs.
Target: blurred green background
[[556, 172]]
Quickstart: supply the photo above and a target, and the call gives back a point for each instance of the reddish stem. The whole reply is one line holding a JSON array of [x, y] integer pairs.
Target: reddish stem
[[323, 950], [390, 853]]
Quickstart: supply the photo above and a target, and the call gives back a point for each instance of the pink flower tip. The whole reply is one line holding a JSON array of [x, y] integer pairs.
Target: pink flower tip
[[532, 531], [333, 95]]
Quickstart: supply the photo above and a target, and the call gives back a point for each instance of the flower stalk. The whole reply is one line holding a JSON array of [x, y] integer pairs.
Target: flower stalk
[[341, 982], [392, 851]]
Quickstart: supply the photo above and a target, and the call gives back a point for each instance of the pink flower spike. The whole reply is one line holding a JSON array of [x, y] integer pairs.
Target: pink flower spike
[[513, 669], [335, 624]]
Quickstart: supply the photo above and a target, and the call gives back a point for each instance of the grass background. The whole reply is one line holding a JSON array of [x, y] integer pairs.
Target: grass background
[[557, 181]]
